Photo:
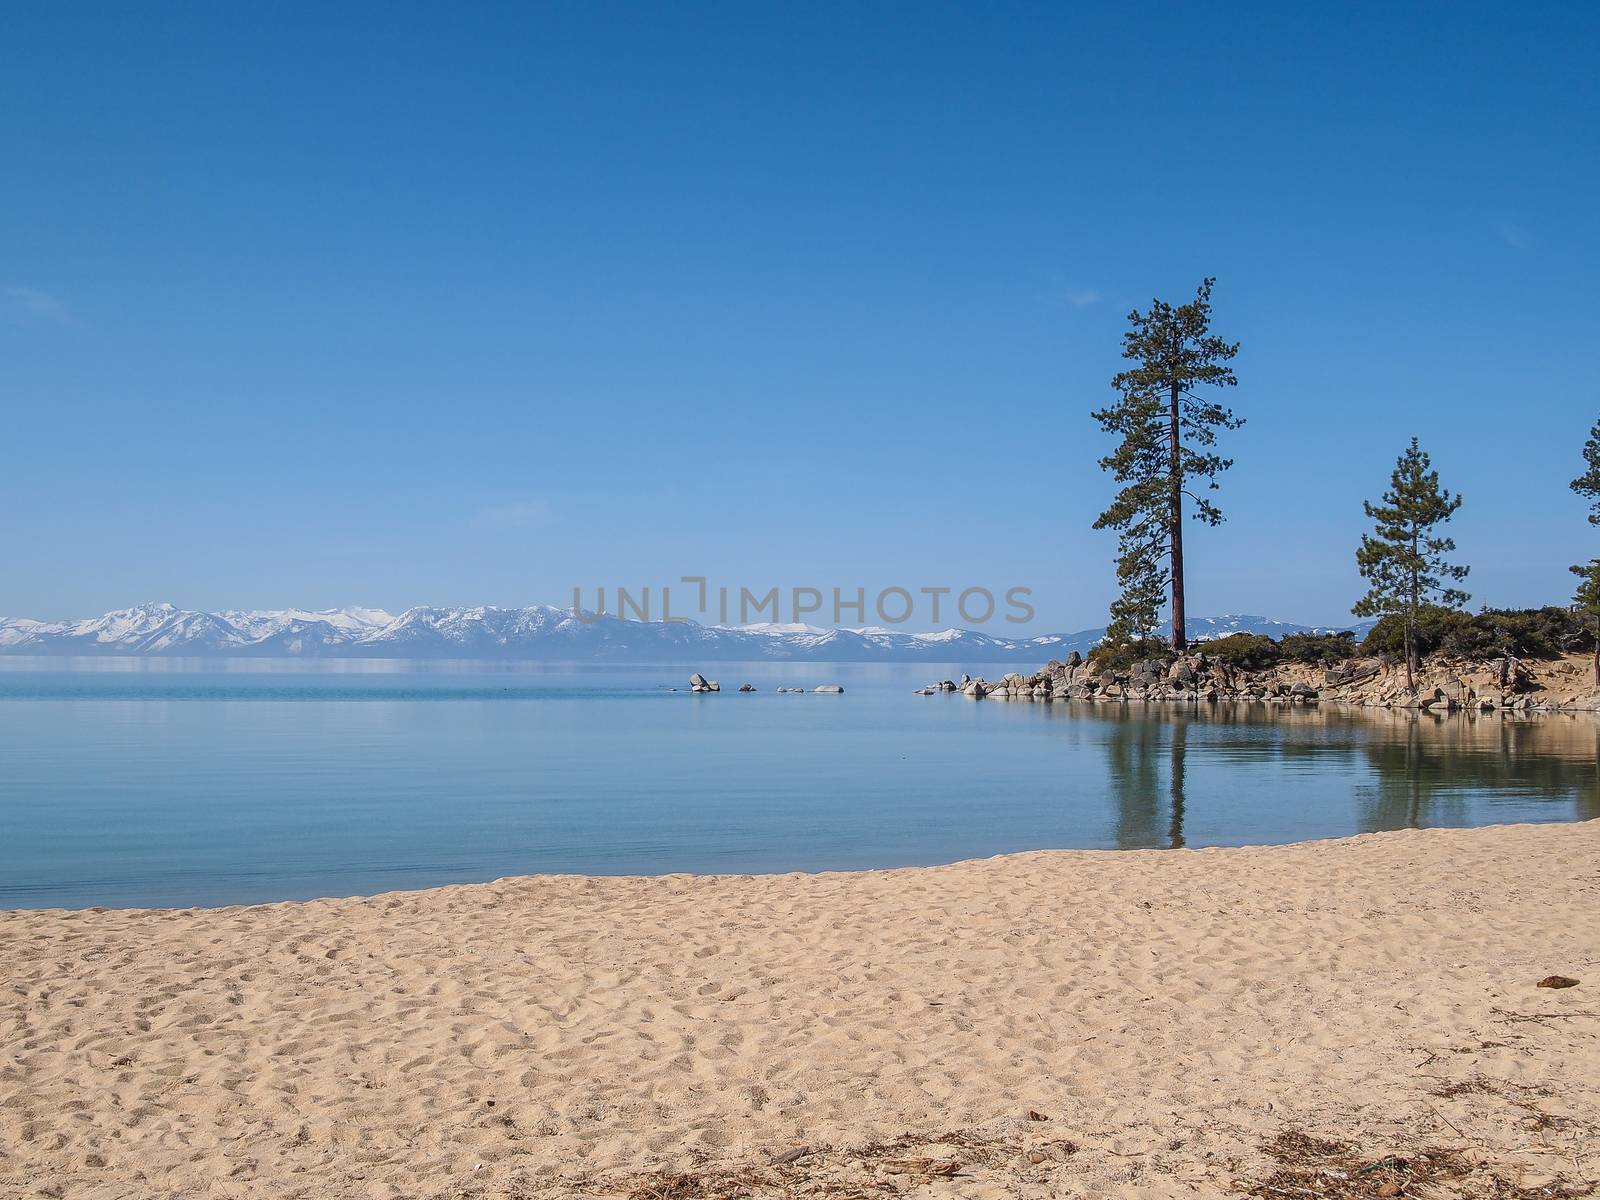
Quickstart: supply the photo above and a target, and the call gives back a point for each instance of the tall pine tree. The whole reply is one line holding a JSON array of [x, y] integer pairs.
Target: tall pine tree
[[1402, 560], [1169, 437]]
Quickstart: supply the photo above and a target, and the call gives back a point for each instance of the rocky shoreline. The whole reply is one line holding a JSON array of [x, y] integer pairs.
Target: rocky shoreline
[[1564, 684]]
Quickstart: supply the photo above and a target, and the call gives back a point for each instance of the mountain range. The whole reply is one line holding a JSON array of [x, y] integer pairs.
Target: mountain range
[[541, 633]]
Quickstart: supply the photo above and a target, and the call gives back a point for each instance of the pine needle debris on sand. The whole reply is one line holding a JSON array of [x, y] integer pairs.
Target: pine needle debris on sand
[[865, 1172], [1319, 1167]]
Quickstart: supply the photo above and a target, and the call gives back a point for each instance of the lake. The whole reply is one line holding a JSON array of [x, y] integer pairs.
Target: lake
[[186, 782]]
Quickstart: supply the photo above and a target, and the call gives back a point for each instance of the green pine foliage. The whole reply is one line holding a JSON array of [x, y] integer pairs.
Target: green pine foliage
[[1168, 438], [1587, 597], [1142, 589], [1587, 485], [1404, 562]]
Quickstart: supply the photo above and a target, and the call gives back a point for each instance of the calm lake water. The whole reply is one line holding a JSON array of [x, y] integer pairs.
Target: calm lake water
[[138, 782]]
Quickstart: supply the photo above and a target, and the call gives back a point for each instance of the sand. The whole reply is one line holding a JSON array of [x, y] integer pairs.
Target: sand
[[1169, 1014]]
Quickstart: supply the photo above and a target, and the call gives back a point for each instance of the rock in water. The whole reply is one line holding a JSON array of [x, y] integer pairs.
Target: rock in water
[[747, 687], [829, 689], [698, 682]]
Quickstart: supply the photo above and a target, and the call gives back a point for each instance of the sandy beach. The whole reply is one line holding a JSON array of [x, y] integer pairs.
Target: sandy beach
[[1134, 1023]]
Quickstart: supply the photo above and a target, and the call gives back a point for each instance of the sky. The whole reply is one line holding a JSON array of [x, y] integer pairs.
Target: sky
[[316, 305]]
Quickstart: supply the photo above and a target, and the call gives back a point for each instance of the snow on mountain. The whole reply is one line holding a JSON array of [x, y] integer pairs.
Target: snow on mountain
[[775, 627], [541, 632], [145, 629], [18, 629], [264, 623]]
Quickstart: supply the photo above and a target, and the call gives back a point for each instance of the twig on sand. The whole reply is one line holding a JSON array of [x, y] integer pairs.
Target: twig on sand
[[1515, 1018], [1447, 1121]]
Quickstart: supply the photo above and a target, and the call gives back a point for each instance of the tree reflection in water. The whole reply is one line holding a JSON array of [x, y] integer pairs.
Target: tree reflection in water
[[1427, 769], [1136, 747], [1409, 769]]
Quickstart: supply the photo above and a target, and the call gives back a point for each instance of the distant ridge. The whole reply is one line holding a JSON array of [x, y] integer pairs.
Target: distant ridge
[[538, 633]]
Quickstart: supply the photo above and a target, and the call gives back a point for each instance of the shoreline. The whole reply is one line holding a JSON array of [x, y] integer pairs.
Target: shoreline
[[1563, 683], [535, 877], [1171, 1017]]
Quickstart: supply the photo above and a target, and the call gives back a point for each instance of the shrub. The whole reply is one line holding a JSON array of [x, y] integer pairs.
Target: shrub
[[1522, 633], [1318, 649], [1250, 651], [1434, 625], [1119, 656], [1474, 639]]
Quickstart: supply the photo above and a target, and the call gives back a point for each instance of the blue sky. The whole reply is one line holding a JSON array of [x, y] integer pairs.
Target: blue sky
[[401, 304]]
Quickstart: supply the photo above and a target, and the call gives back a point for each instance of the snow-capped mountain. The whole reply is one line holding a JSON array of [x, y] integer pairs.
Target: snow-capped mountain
[[541, 632], [349, 620]]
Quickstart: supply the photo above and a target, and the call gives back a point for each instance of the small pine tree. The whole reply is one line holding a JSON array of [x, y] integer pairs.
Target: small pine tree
[[1587, 602], [1402, 561], [1168, 432]]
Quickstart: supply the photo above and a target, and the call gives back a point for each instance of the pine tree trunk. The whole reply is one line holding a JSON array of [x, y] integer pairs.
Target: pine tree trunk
[[1180, 636], [1597, 652]]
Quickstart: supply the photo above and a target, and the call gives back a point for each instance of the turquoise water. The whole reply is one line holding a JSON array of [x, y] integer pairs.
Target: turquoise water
[[139, 782]]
